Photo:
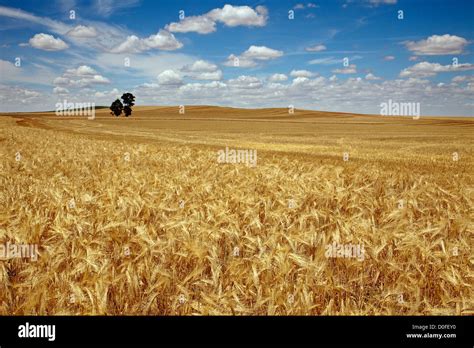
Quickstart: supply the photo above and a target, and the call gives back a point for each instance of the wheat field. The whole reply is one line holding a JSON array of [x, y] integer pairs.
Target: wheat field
[[135, 216]]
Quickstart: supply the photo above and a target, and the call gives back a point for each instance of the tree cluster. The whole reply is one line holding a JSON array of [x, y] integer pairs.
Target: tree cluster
[[118, 107]]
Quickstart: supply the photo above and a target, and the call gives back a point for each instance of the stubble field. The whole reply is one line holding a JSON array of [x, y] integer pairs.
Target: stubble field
[[136, 215]]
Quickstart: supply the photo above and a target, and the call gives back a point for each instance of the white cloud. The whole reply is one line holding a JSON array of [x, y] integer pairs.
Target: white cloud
[[371, 77], [233, 16], [82, 31], [82, 76], [163, 40], [437, 45], [253, 54], [200, 66], [47, 42], [60, 91], [229, 15], [261, 53], [82, 70], [301, 73], [460, 79], [277, 78], [239, 62], [245, 82], [14, 98], [215, 75], [202, 70], [427, 69], [197, 24], [169, 78], [198, 90], [360, 95], [351, 69], [315, 48], [388, 58], [114, 93], [58, 81]]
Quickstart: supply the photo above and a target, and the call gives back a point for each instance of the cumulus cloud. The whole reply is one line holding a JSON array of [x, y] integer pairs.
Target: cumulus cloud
[[315, 48], [60, 91], [163, 40], [199, 90], [360, 95], [14, 98], [371, 77], [245, 82], [321, 93], [202, 70], [200, 66], [233, 16], [252, 55], [461, 79], [169, 78], [47, 42], [114, 93], [437, 45], [261, 53], [197, 24], [427, 69], [82, 76], [278, 78], [82, 31], [301, 73], [82, 70], [229, 15]]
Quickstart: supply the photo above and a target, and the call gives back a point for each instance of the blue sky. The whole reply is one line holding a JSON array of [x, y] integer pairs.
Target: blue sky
[[323, 55]]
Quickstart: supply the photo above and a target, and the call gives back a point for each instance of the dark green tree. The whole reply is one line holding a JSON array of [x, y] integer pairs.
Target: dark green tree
[[116, 108], [128, 101]]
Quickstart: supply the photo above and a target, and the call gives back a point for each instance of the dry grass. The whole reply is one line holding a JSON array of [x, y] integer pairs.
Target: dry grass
[[128, 247]]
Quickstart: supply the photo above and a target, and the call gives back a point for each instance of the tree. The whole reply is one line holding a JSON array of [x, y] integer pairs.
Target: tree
[[128, 101], [127, 110], [116, 108]]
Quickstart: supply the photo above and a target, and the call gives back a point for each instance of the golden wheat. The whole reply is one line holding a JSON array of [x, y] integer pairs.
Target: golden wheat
[[137, 222]]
